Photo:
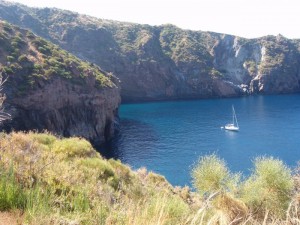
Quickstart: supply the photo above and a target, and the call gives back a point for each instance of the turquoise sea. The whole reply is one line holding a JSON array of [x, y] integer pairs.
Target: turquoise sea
[[169, 137]]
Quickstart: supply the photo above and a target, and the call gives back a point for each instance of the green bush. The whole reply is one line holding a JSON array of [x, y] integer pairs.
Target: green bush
[[121, 170], [7, 70], [43, 138], [43, 50], [7, 27], [211, 175], [106, 172], [30, 35], [269, 187], [157, 179], [74, 147], [17, 42], [10, 58], [22, 58]]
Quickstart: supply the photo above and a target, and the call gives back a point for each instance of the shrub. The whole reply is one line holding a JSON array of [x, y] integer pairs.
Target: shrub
[[7, 70], [212, 175], [105, 170], [10, 58], [18, 42], [216, 73], [23, 58], [30, 35], [121, 170], [43, 50], [43, 138], [157, 179], [72, 147], [269, 188], [212, 178], [7, 27], [49, 72]]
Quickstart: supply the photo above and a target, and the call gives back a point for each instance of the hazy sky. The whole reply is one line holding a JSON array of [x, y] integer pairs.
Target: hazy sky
[[246, 18]]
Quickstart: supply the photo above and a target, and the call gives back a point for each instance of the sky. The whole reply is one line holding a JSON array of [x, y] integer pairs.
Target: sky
[[245, 18]]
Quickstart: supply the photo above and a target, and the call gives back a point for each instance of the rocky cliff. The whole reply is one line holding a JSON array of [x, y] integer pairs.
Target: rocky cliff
[[48, 88], [165, 62]]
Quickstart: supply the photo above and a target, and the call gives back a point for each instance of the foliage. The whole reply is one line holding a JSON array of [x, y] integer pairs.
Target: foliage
[[211, 175], [45, 138], [267, 193], [216, 73], [12, 196], [30, 58], [66, 181], [250, 65], [73, 147], [55, 181], [269, 188]]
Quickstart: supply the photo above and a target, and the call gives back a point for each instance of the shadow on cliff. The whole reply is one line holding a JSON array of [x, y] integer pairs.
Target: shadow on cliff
[[132, 137]]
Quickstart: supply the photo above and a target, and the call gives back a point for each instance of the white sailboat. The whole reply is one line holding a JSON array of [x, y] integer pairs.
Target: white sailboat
[[234, 126]]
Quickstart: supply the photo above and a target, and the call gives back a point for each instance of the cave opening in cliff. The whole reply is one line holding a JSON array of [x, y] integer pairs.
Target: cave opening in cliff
[[107, 130]]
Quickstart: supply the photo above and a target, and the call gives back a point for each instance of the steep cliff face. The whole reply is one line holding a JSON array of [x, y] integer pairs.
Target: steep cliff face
[[278, 71], [66, 109], [48, 88], [165, 62], [266, 65]]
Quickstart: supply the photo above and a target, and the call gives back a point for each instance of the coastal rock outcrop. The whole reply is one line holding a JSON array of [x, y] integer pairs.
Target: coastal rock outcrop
[[66, 109], [49, 89]]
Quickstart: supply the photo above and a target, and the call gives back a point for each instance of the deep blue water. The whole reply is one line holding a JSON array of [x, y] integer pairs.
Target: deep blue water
[[169, 137]]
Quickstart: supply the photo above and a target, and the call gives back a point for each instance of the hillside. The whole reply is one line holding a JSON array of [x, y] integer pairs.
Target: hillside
[[165, 62], [64, 181], [48, 88]]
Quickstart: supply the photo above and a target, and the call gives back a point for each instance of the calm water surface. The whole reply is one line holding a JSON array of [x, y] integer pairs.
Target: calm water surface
[[169, 137]]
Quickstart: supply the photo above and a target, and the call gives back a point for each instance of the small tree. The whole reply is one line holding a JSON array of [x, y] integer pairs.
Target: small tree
[[3, 115], [269, 188], [211, 175]]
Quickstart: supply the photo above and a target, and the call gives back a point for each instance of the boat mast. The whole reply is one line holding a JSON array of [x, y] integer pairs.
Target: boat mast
[[234, 117]]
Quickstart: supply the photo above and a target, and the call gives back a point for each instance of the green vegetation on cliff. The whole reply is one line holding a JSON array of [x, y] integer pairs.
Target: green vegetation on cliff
[[49, 88], [51, 180], [28, 59], [166, 62]]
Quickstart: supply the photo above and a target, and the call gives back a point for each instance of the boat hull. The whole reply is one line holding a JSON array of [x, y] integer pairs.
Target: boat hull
[[231, 128]]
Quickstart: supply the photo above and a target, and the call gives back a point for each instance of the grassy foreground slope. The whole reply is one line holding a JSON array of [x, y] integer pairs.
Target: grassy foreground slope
[[65, 181], [48, 180]]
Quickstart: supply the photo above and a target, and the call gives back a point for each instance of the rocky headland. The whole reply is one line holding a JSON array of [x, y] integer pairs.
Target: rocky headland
[[50, 89]]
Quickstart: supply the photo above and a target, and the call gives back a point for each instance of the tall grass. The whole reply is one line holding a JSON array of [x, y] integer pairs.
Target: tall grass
[[65, 181], [12, 196]]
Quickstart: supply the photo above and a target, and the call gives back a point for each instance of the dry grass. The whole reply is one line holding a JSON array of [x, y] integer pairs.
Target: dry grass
[[65, 181]]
